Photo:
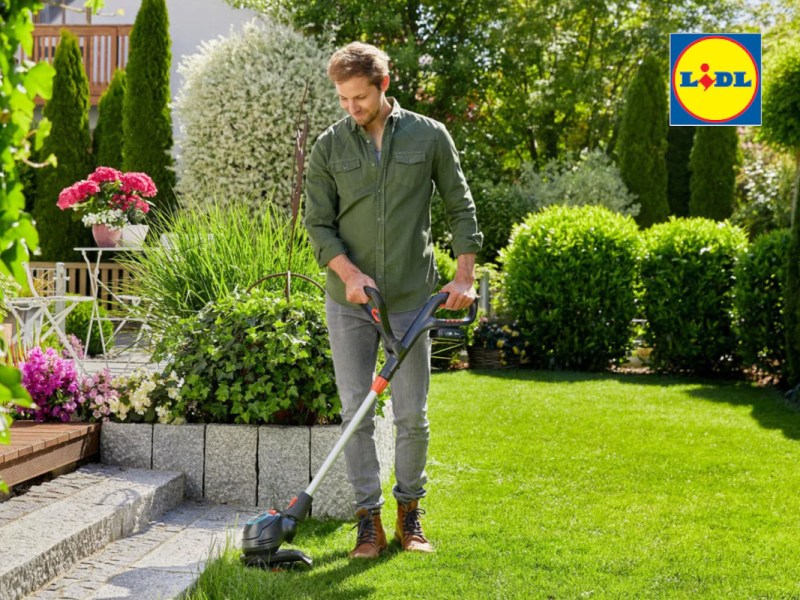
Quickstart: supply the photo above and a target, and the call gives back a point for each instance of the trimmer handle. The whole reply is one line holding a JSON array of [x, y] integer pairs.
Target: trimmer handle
[[424, 321]]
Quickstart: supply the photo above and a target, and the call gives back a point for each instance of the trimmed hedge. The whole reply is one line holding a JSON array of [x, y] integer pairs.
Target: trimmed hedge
[[688, 281], [570, 277], [759, 301]]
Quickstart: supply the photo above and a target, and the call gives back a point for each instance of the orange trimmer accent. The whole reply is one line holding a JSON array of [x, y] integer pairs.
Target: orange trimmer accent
[[379, 384]]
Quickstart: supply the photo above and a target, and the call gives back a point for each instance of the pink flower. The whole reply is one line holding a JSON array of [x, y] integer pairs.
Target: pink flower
[[102, 174], [138, 182], [77, 193]]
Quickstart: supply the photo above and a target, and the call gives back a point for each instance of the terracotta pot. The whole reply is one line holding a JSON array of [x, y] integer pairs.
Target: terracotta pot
[[105, 237]]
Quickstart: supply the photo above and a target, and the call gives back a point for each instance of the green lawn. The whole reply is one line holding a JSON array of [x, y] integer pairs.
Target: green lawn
[[568, 485]]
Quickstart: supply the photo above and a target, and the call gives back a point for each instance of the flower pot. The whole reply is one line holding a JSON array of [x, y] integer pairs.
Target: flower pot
[[105, 237], [133, 236]]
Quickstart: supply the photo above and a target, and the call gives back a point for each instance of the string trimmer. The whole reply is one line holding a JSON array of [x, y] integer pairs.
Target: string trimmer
[[263, 535]]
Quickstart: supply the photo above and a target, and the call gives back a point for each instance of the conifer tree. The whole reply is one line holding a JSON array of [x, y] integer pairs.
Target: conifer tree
[[643, 142], [147, 122], [107, 140], [713, 162], [70, 142], [679, 148]]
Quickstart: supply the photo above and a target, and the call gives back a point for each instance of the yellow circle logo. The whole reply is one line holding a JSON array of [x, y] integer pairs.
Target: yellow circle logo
[[715, 79]]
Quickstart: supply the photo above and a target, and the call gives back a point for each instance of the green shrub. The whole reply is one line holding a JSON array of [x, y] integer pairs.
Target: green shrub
[[256, 359], [687, 277], [570, 276], [77, 324], [759, 300], [209, 254], [107, 140], [70, 142], [590, 178], [146, 115]]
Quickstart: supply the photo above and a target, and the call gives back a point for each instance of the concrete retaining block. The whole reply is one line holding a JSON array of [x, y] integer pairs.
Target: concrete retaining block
[[181, 448], [230, 459], [127, 444], [282, 464]]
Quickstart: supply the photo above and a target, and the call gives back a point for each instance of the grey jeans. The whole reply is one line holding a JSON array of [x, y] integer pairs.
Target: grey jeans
[[354, 343]]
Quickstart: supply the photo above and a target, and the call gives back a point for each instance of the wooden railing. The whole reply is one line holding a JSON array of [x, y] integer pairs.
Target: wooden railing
[[104, 48]]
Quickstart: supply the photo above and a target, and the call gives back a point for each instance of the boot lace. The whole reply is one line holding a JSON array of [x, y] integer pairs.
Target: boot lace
[[367, 534], [411, 523]]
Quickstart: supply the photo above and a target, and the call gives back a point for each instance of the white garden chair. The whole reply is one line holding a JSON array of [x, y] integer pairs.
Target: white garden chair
[[44, 312]]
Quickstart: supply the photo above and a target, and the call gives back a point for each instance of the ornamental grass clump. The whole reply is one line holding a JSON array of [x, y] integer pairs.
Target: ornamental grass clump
[[53, 384], [206, 252], [570, 280]]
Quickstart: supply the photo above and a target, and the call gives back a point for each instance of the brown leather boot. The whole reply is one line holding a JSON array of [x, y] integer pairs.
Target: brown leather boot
[[371, 539], [409, 529]]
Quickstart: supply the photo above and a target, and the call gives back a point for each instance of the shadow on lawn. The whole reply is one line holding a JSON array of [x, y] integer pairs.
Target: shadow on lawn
[[769, 408], [330, 569]]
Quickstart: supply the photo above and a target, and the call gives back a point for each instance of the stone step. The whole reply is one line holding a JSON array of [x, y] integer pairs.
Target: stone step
[[161, 561], [46, 531]]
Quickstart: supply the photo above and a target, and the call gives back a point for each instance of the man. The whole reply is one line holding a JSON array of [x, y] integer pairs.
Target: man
[[369, 184]]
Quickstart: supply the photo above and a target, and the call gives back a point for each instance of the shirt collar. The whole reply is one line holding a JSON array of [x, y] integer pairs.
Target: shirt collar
[[395, 114]]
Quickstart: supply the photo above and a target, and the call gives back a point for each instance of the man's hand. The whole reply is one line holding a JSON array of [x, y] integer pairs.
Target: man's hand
[[354, 280], [462, 288]]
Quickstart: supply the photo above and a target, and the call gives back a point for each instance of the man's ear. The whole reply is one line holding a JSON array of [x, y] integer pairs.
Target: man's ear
[[384, 84]]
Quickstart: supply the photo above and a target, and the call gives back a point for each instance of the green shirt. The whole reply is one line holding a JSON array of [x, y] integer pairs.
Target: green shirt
[[378, 212]]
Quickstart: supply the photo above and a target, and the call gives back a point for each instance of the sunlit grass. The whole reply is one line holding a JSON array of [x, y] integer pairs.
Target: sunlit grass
[[566, 485]]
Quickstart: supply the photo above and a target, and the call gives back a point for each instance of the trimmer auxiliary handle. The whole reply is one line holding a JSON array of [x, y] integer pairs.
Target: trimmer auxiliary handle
[[264, 534], [424, 321]]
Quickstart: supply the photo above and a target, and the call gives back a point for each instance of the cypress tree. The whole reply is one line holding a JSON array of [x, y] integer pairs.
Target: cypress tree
[[147, 122], [679, 148], [713, 163], [107, 140], [643, 142], [70, 142]]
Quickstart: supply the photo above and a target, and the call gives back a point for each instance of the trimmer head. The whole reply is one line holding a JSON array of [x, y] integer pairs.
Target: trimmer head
[[279, 560], [264, 534]]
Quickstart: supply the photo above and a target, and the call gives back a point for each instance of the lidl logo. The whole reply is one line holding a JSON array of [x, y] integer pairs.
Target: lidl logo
[[715, 79]]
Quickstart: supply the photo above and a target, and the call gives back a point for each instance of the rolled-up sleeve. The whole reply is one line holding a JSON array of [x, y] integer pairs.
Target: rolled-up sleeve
[[322, 205], [458, 202]]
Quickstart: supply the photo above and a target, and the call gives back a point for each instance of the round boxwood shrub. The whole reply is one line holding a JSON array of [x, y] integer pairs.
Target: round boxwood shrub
[[77, 324], [570, 277], [256, 358], [688, 278], [759, 300]]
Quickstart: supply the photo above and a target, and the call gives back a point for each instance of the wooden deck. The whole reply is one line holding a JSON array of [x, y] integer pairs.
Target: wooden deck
[[38, 448]]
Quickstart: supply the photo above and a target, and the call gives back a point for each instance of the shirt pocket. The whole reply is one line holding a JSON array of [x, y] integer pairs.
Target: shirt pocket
[[411, 169], [347, 175]]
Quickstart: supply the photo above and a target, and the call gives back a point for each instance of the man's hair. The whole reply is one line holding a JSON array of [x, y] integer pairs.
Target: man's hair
[[358, 60]]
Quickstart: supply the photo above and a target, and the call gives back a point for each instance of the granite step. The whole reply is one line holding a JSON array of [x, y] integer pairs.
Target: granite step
[[52, 527], [160, 562]]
